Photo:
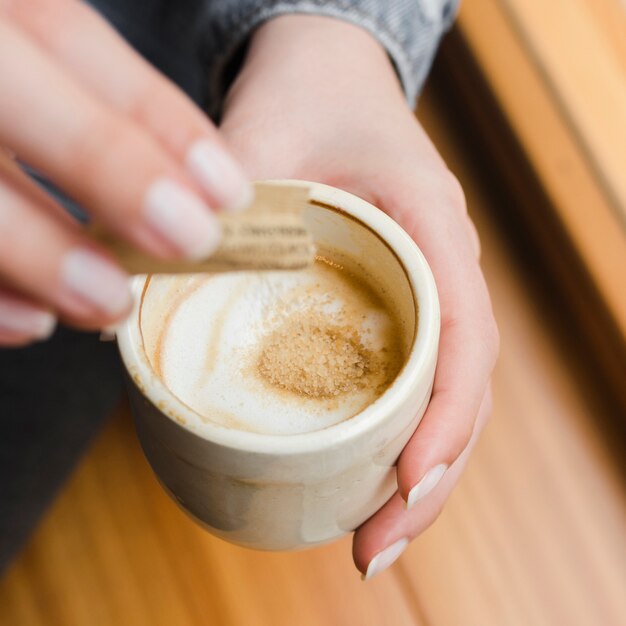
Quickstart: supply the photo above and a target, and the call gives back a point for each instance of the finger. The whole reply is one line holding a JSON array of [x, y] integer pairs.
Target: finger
[[382, 538], [46, 257], [473, 234], [466, 359], [105, 162], [12, 173], [23, 185], [97, 57], [22, 320], [469, 340]]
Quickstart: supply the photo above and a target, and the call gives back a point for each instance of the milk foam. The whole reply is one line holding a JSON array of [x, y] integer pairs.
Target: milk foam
[[208, 352]]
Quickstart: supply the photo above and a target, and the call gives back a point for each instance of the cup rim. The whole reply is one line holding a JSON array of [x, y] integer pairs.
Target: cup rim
[[423, 350]]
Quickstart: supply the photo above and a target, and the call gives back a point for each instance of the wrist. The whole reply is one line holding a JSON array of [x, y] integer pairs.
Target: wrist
[[298, 56]]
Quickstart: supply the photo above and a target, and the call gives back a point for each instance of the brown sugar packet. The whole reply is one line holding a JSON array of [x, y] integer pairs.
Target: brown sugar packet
[[271, 234]]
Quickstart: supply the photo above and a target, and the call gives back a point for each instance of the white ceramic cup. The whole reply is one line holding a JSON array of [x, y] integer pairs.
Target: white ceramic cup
[[279, 492]]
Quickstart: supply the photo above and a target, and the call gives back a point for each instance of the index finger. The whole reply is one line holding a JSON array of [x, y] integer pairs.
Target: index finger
[[92, 52]]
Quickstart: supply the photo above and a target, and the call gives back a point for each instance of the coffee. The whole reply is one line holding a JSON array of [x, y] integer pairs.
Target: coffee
[[279, 352], [293, 352]]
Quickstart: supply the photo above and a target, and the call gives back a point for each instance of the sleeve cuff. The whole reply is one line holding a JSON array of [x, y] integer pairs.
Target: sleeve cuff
[[410, 31]]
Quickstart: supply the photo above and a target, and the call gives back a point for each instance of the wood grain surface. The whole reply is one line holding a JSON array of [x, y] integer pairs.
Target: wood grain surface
[[547, 85], [577, 48], [535, 534]]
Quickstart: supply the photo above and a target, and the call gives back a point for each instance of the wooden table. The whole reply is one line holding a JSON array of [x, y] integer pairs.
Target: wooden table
[[534, 535], [546, 84]]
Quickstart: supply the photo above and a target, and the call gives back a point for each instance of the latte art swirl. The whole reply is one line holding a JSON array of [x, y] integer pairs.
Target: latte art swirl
[[280, 352]]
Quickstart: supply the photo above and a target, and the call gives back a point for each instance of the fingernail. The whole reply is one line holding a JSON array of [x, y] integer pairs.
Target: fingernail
[[108, 333], [19, 318], [97, 282], [179, 216], [428, 482], [220, 176], [385, 558]]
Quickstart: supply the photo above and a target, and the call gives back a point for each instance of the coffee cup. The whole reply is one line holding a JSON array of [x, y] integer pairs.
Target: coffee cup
[[283, 487]]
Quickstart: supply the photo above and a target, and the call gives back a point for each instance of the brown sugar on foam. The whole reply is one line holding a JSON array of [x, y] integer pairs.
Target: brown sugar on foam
[[320, 353], [313, 357]]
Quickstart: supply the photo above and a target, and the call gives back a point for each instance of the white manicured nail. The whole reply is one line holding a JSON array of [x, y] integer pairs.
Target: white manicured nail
[[97, 282], [20, 318], [220, 176], [179, 216], [385, 558], [428, 482], [108, 333]]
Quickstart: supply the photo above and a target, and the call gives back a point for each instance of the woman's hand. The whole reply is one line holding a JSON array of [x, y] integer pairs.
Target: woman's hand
[[80, 106], [318, 99]]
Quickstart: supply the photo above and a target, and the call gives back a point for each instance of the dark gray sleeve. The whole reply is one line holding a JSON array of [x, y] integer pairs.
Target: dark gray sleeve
[[409, 30]]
